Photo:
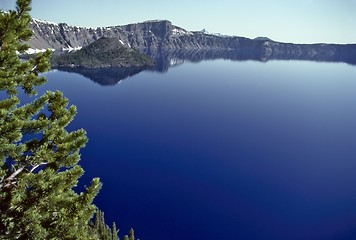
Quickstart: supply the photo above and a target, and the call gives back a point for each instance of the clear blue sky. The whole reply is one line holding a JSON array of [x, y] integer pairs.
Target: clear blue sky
[[299, 21]]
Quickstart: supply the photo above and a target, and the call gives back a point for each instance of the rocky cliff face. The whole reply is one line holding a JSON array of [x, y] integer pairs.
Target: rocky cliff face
[[156, 36], [65, 37], [147, 35]]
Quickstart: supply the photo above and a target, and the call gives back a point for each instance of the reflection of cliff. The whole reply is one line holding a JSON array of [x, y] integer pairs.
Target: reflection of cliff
[[166, 59], [263, 52], [105, 76]]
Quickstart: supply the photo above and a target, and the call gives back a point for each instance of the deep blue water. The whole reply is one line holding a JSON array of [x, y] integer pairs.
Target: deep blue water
[[223, 150]]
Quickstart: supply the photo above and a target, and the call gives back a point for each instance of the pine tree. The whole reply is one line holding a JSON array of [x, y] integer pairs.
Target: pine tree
[[114, 232], [39, 157], [104, 232], [100, 228], [131, 235]]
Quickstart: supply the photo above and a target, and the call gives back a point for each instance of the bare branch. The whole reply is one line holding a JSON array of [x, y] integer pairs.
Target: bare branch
[[14, 174], [41, 164], [7, 182], [10, 180], [33, 69]]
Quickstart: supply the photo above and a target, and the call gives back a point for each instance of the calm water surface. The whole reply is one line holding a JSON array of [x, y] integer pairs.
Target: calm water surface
[[223, 150]]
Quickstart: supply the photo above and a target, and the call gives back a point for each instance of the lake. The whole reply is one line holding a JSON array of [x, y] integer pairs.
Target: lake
[[222, 149]]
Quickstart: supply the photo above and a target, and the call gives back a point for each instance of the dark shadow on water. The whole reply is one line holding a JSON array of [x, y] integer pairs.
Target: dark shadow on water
[[105, 76], [166, 59], [349, 235]]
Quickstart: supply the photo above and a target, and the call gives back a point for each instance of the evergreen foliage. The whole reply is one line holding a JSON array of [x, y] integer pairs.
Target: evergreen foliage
[[100, 228], [114, 232], [104, 52], [38, 156], [104, 232]]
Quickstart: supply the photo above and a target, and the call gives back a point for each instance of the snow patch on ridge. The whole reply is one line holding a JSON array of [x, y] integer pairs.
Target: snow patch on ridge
[[70, 49], [205, 32], [34, 51], [180, 32], [43, 21]]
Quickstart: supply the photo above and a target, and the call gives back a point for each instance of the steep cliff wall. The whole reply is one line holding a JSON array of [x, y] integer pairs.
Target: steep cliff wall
[[146, 35]]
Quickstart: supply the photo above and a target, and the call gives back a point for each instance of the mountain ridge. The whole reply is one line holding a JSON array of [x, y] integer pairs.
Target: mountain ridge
[[161, 35]]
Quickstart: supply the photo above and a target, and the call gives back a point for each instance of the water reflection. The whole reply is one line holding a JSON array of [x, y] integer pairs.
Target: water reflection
[[341, 53], [244, 149], [105, 76], [166, 59]]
